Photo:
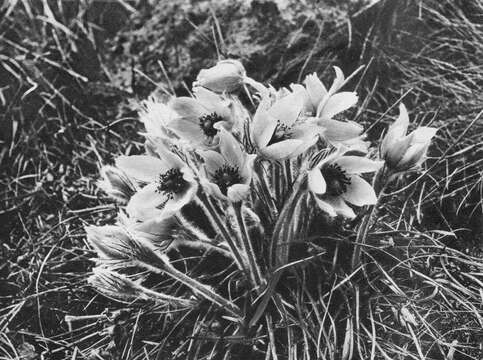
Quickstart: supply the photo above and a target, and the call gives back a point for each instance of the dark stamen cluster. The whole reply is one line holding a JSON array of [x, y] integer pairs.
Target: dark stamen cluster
[[227, 176], [171, 183], [336, 179], [207, 123], [281, 132]]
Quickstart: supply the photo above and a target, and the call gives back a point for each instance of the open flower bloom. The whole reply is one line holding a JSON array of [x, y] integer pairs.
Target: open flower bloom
[[197, 117], [225, 76], [229, 172], [277, 131], [402, 152], [325, 104], [170, 184], [335, 181]]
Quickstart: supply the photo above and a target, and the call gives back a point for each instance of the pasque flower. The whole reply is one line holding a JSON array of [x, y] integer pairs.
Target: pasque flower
[[325, 104], [403, 152], [277, 131], [335, 181], [197, 117], [225, 76], [229, 171], [170, 183]]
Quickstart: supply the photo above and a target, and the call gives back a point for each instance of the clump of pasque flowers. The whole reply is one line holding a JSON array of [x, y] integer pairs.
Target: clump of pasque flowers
[[234, 172]]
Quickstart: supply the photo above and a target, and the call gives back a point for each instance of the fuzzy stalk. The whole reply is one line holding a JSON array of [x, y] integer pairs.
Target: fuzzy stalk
[[217, 222], [379, 184], [255, 271]]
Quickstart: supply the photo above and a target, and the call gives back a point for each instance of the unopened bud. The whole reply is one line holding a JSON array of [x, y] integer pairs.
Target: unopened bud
[[225, 76], [402, 152]]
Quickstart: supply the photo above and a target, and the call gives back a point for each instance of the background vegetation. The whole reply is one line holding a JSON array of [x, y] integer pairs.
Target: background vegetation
[[71, 73]]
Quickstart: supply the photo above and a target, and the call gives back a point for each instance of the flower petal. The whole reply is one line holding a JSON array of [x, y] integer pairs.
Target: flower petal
[[336, 104], [423, 134], [212, 102], [174, 204], [187, 107], [326, 207], [358, 164], [335, 130], [142, 167], [316, 182], [143, 205], [359, 192], [213, 161], [238, 192], [338, 81], [230, 148], [263, 125], [397, 130], [315, 89], [188, 130], [287, 109], [413, 156], [340, 207], [284, 149]]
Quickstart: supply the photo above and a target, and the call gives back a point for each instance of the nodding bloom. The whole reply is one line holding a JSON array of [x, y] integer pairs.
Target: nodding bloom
[[225, 76], [335, 181], [403, 152], [276, 130], [325, 104], [170, 184], [197, 117], [229, 171]]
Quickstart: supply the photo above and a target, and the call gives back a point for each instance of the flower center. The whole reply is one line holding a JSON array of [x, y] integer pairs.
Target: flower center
[[227, 176], [281, 132], [207, 122], [336, 179], [171, 183]]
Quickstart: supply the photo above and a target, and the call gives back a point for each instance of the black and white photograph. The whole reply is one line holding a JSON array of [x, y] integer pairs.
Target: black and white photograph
[[241, 180]]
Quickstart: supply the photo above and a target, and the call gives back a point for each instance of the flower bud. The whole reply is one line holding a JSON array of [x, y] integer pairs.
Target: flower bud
[[225, 76], [117, 184], [402, 152]]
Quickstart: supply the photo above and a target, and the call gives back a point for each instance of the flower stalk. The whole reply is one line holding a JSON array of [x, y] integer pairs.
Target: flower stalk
[[255, 271]]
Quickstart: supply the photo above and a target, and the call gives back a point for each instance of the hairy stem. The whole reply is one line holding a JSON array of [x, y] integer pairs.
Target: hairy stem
[[247, 245]]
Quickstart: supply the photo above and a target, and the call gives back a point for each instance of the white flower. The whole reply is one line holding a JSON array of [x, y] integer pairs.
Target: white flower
[[277, 132], [225, 76], [403, 152], [325, 104], [170, 184], [229, 171], [197, 117], [335, 180]]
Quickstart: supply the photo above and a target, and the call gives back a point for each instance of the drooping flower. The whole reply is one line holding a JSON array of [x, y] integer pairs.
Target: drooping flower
[[335, 181], [229, 171], [403, 152], [197, 117], [225, 76], [170, 184], [325, 104], [277, 132]]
